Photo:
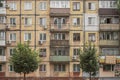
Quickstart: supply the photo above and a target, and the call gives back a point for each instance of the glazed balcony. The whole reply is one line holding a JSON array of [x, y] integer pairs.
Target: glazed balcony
[[59, 11], [60, 27], [2, 58], [109, 27], [59, 43], [109, 42], [59, 58], [2, 10]]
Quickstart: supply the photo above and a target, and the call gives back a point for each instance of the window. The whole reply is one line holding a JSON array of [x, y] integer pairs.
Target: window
[[2, 19], [43, 22], [2, 35], [75, 51], [12, 21], [13, 6], [76, 36], [59, 67], [28, 6], [59, 4], [76, 67], [11, 51], [91, 37], [2, 51], [108, 67], [110, 51], [109, 36], [11, 68], [58, 22], [12, 37], [42, 67], [60, 52], [59, 36], [109, 19], [76, 6], [42, 36], [43, 52], [91, 20], [108, 4], [76, 21], [27, 36], [43, 5], [28, 21], [0, 67], [91, 6]]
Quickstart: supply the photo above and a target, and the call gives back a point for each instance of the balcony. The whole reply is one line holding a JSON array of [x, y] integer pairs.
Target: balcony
[[109, 27], [3, 26], [59, 11], [2, 43], [2, 10], [108, 59], [59, 43], [109, 42], [59, 58], [2, 58], [106, 11], [61, 27]]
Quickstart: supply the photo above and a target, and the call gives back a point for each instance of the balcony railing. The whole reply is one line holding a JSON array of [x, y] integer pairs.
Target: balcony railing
[[109, 27], [109, 42], [59, 58], [59, 42], [3, 26], [2, 58], [60, 27], [59, 11]]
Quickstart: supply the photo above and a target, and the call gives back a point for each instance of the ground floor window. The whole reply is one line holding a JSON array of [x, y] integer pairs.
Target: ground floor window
[[59, 67], [108, 67]]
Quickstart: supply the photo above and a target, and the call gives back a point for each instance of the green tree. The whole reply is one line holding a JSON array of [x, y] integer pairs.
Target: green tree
[[24, 59], [89, 60], [118, 4]]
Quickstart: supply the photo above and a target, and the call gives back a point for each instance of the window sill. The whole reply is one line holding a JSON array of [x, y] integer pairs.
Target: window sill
[[77, 10], [12, 10], [27, 9], [27, 25]]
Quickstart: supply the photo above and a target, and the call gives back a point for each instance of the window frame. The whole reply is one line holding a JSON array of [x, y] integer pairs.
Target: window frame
[[27, 5], [27, 36], [42, 68], [76, 37], [12, 36], [76, 6]]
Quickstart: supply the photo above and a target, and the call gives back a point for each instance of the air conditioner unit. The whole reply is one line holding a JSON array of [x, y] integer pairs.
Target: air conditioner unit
[[40, 42], [74, 57], [8, 42]]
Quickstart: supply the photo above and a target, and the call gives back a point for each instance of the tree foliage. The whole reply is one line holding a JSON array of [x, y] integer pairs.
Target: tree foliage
[[118, 4], [24, 59], [89, 60]]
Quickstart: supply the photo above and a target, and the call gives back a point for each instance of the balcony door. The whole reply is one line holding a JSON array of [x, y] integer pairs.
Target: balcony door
[[59, 22]]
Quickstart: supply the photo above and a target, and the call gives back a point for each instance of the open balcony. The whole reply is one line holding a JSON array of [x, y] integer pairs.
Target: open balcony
[[3, 26], [2, 58], [59, 11], [108, 11], [59, 58], [109, 42], [59, 27], [109, 27], [59, 43]]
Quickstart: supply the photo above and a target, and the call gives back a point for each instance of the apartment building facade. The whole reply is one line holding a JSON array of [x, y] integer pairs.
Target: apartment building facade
[[58, 29]]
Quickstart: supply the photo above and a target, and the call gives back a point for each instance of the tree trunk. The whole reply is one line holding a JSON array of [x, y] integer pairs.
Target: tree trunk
[[24, 76], [90, 76]]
